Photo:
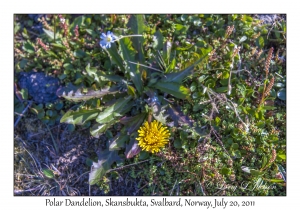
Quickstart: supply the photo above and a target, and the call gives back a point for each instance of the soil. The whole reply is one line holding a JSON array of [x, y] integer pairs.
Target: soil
[[35, 151]]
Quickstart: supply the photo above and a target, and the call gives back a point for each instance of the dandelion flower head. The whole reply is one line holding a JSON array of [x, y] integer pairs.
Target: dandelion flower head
[[153, 136]]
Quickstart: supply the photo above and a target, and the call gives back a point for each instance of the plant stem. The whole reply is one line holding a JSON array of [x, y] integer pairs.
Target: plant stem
[[121, 37], [19, 118], [53, 140]]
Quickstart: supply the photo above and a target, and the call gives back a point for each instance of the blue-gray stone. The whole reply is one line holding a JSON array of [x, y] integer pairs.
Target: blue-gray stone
[[41, 88]]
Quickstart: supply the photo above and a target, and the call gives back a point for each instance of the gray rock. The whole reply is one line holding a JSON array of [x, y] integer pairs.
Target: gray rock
[[268, 18], [41, 88]]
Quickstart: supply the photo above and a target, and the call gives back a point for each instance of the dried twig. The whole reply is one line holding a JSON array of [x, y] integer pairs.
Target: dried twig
[[213, 104], [229, 103], [220, 142], [173, 187], [25, 110], [53, 140], [201, 188], [122, 167], [271, 29]]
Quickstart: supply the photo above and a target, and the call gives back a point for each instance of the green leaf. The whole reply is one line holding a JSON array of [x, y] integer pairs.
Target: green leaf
[[234, 146], [264, 161], [28, 47], [41, 114], [276, 180], [282, 94], [58, 45], [68, 66], [186, 47], [202, 78], [131, 91], [177, 143], [105, 160], [198, 107], [51, 53], [282, 172], [133, 123], [49, 33], [282, 155], [172, 66], [136, 23], [221, 89], [109, 113], [241, 101], [260, 124], [260, 42], [247, 18], [242, 39], [269, 108], [79, 54], [279, 85], [98, 129], [77, 21], [59, 106], [217, 121], [51, 113], [178, 116], [76, 94], [201, 43], [91, 32], [255, 172], [175, 89], [17, 27], [129, 55], [159, 113], [143, 155], [121, 112], [62, 76], [79, 117], [167, 51], [132, 149], [181, 28], [25, 34], [114, 78], [23, 63], [24, 93], [225, 171], [158, 40], [118, 142], [210, 83], [179, 76], [115, 56], [197, 22], [97, 172], [237, 154], [92, 72], [48, 173]]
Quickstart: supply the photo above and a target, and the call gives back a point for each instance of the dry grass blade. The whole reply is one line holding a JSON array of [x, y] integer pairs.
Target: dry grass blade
[[23, 112], [53, 140]]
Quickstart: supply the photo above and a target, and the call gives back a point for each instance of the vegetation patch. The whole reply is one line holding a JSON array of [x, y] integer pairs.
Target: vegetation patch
[[150, 105]]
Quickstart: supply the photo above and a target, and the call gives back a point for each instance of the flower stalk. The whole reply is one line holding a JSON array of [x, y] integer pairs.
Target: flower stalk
[[109, 37]]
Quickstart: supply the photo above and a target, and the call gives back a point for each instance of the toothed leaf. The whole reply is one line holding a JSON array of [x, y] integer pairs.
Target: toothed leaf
[[79, 117], [76, 94]]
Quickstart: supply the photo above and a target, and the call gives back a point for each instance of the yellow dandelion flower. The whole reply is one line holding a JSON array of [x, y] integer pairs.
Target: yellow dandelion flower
[[153, 136]]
